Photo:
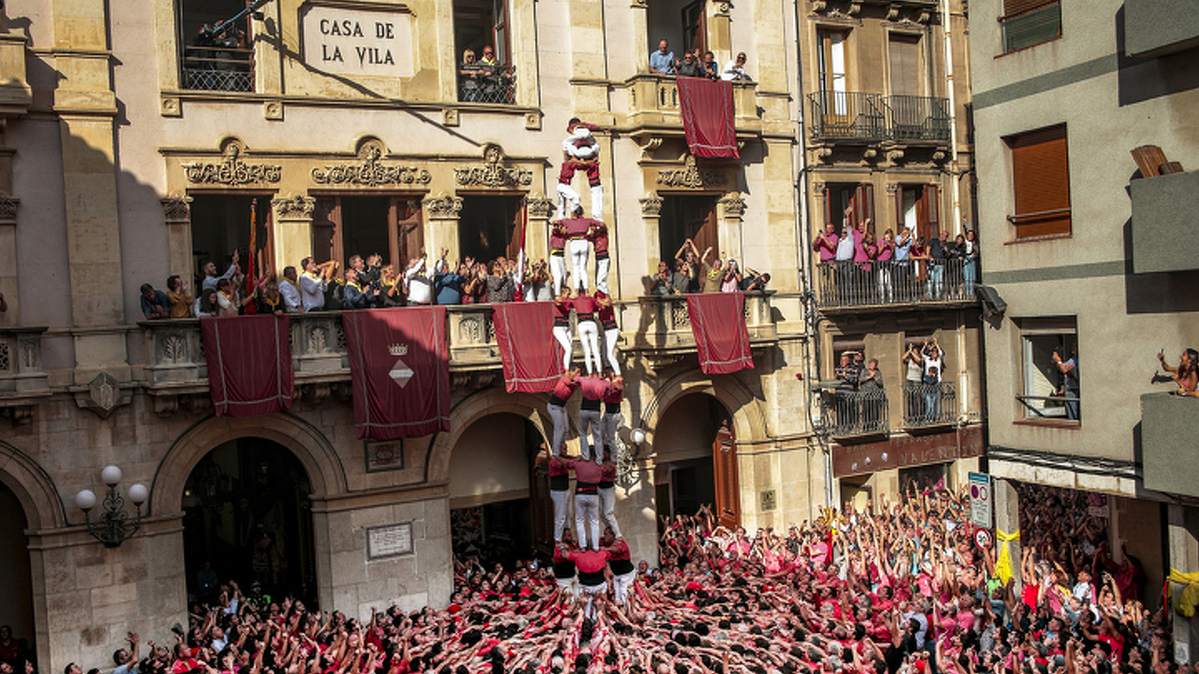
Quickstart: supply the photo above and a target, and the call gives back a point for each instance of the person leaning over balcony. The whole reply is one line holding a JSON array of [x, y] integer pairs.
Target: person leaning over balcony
[[178, 298], [689, 67], [754, 281], [469, 72], [709, 68], [662, 61], [734, 70], [1069, 370], [1186, 375], [288, 290], [313, 283], [154, 303]]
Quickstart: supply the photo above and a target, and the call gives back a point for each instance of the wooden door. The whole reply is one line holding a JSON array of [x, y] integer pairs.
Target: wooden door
[[326, 229], [724, 468]]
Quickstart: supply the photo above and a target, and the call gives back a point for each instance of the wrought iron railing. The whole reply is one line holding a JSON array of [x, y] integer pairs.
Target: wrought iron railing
[[854, 284], [487, 84], [866, 116], [850, 413], [929, 404], [210, 68]]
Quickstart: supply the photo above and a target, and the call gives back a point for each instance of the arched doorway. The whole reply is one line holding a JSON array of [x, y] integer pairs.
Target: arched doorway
[[499, 499], [689, 471], [247, 517], [16, 592]]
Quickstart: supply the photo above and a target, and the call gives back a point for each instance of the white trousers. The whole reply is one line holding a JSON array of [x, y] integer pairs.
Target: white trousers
[[621, 585], [593, 589], [562, 334], [569, 585], [579, 251], [590, 422], [597, 203], [561, 424], [587, 520], [607, 497], [589, 337], [611, 336], [568, 199], [558, 271], [561, 500], [601, 273]]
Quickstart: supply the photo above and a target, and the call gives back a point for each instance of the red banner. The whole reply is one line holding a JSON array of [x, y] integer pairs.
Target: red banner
[[249, 364], [400, 369], [718, 323], [707, 109], [532, 357]]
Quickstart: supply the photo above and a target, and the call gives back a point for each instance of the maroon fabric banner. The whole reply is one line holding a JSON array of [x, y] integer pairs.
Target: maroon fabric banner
[[718, 323], [532, 357], [400, 369], [249, 364], [707, 109]]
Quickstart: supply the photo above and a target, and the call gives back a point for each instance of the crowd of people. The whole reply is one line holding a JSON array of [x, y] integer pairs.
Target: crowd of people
[[860, 391], [857, 267], [693, 273], [897, 588], [697, 63]]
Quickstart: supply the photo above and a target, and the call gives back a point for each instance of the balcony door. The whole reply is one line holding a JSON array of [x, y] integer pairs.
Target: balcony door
[[223, 223], [348, 225], [918, 208], [833, 76], [847, 204], [489, 226], [688, 216]]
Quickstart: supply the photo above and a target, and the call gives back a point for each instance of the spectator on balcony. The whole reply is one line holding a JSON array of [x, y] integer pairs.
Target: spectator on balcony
[[499, 284], [874, 401], [709, 68], [969, 252], [732, 278], [933, 356], [447, 284], [357, 296], [660, 285], [474, 289], [335, 293], [939, 250], [179, 300], [1069, 370], [154, 303], [689, 263], [826, 243], [712, 274], [313, 283], [734, 70], [689, 67], [226, 300], [684, 278], [913, 381], [920, 258], [754, 281], [210, 276], [391, 290], [417, 282], [847, 384], [883, 252], [488, 58], [1186, 375], [290, 293], [268, 300], [469, 73], [901, 269], [662, 61]]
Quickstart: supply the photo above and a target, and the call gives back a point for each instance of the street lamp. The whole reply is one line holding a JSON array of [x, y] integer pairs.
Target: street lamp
[[114, 525]]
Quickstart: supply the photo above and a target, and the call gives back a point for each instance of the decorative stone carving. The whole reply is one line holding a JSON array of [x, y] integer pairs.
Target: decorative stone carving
[[734, 205], [177, 208], [533, 121], [8, 209], [855, 8], [824, 153], [298, 207], [639, 4], [818, 188], [869, 154], [650, 143], [370, 171], [691, 176], [449, 117], [491, 174], [651, 205], [273, 110], [171, 107], [925, 16], [103, 395], [539, 206], [819, 5], [892, 12], [443, 206], [232, 171], [723, 8], [892, 188], [895, 156], [939, 156]]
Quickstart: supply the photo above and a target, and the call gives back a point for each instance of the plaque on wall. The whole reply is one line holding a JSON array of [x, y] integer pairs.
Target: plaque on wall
[[389, 540], [384, 455], [358, 41]]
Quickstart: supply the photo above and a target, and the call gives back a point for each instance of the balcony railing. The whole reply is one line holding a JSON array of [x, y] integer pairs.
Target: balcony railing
[[654, 103], [856, 115], [929, 404], [218, 69], [21, 372], [848, 284], [487, 84], [849, 413]]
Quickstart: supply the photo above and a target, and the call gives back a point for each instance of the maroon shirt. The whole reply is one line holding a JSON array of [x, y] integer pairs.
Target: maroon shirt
[[587, 473], [564, 389], [576, 228]]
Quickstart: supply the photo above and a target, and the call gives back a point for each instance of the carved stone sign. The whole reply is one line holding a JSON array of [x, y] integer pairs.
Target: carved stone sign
[[491, 173], [232, 171], [384, 455], [345, 41], [370, 172], [389, 540], [901, 451], [691, 176]]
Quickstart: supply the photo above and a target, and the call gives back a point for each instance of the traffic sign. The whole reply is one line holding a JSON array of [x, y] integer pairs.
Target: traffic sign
[[980, 500], [982, 538]]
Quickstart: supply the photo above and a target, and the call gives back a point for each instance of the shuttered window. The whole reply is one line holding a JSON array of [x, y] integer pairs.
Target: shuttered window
[[1040, 183], [904, 52], [1014, 7], [1030, 22]]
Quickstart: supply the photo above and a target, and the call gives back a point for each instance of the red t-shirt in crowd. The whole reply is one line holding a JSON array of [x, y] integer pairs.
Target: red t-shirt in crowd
[[595, 388]]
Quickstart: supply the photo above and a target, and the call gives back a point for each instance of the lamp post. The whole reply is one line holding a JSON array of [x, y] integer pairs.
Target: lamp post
[[114, 525]]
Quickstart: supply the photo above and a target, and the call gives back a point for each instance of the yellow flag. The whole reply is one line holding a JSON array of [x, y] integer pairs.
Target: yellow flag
[[1003, 561]]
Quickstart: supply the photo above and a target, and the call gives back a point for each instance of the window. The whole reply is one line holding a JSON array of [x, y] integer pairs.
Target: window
[[215, 59], [830, 61], [489, 226], [482, 38], [682, 23], [904, 52], [344, 226], [687, 216], [1040, 183], [1050, 390], [1029, 22], [918, 209]]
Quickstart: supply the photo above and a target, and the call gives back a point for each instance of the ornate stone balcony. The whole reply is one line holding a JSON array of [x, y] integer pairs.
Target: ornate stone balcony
[[664, 333], [22, 379], [653, 106]]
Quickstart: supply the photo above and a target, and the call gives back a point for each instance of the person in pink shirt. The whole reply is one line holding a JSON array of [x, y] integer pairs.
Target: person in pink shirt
[[558, 257], [826, 243], [884, 253], [598, 235], [593, 388], [565, 387]]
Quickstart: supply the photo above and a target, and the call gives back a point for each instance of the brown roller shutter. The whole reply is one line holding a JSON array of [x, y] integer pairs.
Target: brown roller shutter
[[1041, 183], [1014, 7]]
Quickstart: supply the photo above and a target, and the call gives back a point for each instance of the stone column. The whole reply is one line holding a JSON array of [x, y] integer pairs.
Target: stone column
[[540, 210], [441, 218], [1183, 523], [720, 38], [651, 212], [177, 212], [728, 225], [1007, 520], [640, 41], [293, 229], [8, 251]]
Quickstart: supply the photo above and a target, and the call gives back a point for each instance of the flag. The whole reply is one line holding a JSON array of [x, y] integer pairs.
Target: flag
[[721, 338], [251, 282]]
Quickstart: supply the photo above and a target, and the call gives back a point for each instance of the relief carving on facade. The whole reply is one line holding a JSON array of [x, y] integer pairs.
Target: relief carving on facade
[[231, 170], [370, 171], [539, 206], [177, 208], [443, 206], [298, 207], [691, 176], [651, 205], [734, 205], [8, 209], [491, 174]]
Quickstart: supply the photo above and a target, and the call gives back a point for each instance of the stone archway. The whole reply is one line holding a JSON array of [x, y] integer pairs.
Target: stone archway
[[475, 407], [304, 440], [33, 488], [749, 421]]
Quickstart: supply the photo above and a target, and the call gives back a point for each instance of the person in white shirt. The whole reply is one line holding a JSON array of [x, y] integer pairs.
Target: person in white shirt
[[313, 283], [734, 70], [289, 292], [420, 286]]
